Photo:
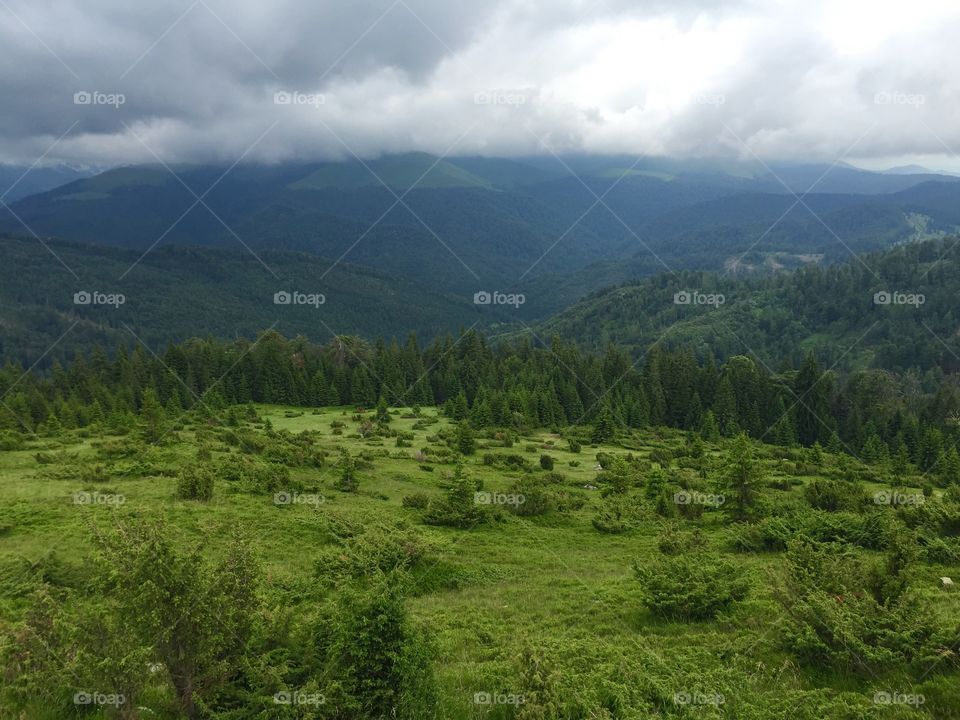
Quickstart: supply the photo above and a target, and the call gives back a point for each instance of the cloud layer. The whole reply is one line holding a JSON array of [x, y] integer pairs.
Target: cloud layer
[[203, 80]]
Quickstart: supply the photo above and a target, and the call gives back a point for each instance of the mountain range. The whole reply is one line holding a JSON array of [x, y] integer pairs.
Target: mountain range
[[405, 242]]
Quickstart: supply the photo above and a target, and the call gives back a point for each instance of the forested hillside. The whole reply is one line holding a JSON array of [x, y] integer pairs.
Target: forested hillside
[[174, 293], [832, 312], [553, 228]]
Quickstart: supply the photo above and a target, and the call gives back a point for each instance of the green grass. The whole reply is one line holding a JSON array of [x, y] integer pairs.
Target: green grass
[[550, 583]]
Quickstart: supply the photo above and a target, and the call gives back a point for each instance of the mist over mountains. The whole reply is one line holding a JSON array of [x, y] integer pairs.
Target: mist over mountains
[[403, 243]]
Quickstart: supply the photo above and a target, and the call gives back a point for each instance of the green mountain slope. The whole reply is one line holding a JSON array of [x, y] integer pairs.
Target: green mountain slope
[[830, 311], [522, 225], [175, 293]]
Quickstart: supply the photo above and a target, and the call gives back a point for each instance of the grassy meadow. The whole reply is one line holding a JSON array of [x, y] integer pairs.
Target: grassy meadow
[[534, 615]]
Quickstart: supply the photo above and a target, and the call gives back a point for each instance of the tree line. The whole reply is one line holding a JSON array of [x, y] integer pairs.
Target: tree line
[[874, 414]]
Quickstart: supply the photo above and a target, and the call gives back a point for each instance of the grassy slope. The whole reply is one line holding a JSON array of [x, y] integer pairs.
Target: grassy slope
[[553, 582]]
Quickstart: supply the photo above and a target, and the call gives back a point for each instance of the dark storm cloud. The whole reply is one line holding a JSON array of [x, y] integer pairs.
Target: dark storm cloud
[[200, 80]]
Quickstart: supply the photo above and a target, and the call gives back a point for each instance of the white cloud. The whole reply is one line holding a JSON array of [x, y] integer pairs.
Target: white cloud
[[785, 80]]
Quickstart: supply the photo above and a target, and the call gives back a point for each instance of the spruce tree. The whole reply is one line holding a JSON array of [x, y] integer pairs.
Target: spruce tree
[[465, 442], [741, 480], [604, 429]]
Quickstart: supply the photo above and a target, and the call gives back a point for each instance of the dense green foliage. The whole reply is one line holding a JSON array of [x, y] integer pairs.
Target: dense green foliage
[[873, 415], [174, 293], [827, 310]]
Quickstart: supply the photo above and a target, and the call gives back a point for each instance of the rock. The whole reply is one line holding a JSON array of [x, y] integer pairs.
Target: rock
[[589, 487], [946, 583]]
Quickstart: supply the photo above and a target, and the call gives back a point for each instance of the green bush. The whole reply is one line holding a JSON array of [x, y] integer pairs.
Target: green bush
[[460, 507], [848, 614], [195, 482], [11, 441], [618, 514], [690, 587], [381, 663], [418, 501], [252, 475], [834, 495]]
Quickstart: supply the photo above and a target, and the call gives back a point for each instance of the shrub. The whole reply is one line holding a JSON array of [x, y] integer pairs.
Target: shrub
[[546, 462], [618, 514], [382, 662], [662, 457], [459, 508], [834, 495], [195, 482], [254, 475], [11, 441], [690, 587], [675, 541], [854, 615], [366, 550], [418, 501], [536, 495], [347, 479]]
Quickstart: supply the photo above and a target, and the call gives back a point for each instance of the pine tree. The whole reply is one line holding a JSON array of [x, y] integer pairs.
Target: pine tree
[[949, 466], [901, 463], [347, 480], [466, 444], [725, 408], [330, 396], [741, 480], [873, 449], [151, 415], [459, 409], [604, 429], [811, 407], [383, 411]]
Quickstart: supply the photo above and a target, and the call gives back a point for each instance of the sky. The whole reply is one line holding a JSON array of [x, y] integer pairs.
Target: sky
[[108, 82]]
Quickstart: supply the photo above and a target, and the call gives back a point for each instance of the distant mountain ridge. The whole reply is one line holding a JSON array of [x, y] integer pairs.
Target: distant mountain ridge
[[552, 228], [17, 182]]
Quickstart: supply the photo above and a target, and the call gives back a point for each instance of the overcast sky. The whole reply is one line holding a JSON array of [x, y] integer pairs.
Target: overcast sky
[[873, 82]]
